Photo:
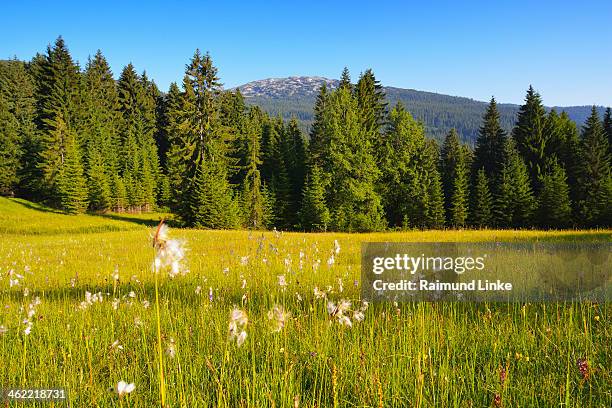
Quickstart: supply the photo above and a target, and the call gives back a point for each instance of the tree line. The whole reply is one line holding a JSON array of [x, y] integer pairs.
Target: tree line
[[79, 140]]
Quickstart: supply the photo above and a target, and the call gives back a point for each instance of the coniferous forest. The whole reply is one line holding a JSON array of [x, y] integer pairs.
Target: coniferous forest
[[78, 139]]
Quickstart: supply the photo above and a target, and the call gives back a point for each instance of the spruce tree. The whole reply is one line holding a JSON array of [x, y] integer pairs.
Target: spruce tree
[[139, 163], [531, 137], [345, 79], [100, 132], [275, 172], [58, 93], [319, 135], [514, 199], [554, 210], [17, 90], [455, 180], [595, 181], [353, 201], [198, 158], [434, 202], [397, 160], [253, 197], [371, 104], [10, 152], [294, 154], [488, 153], [314, 214], [482, 202], [71, 184], [607, 124], [100, 196]]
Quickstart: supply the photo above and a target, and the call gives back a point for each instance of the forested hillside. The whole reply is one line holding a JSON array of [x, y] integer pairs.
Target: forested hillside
[[77, 139], [293, 97]]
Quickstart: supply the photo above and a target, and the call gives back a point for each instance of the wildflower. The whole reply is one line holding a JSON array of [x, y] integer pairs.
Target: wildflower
[[319, 294], [336, 247], [298, 296], [331, 260], [116, 274], [116, 346], [3, 329], [116, 303], [237, 324], [502, 375], [171, 350], [342, 310], [90, 299], [26, 292], [124, 388], [344, 321], [282, 281], [243, 261], [241, 338], [244, 283], [340, 285], [146, 304], [278, 316], [583, 367], [14, 278], [210, 294], [169, 253], [198, 290]]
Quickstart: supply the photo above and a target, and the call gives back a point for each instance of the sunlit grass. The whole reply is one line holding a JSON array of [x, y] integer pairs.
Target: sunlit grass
[[410, 355]]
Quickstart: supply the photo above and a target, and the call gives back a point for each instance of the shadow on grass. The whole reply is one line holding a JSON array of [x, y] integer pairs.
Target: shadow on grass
[[36, 207], [130, 218]]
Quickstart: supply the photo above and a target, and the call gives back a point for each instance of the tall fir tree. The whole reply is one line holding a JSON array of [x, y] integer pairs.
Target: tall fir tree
[[434, 202], [319, 137], [455, 179], [489, 150], [100, 133], [607, 124], [294, 153], [254, 206], [139, 164], [71, 183], [58, 91], [17, 89], [397, 160], [275, 171], [514, 202], [198, 161], [314, 214], [353, 202], [10, 151], [371, 105], [595, 180], [531, 137], [554, 209], [482, 202], [345, 79]]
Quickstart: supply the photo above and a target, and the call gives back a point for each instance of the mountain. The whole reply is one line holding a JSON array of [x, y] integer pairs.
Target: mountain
[[295, 96]]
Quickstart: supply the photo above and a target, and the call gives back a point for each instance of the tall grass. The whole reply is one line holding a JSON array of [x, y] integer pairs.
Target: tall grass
[[406, 355]]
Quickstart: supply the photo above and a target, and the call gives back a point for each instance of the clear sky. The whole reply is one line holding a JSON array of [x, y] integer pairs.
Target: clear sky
[[480, 49]]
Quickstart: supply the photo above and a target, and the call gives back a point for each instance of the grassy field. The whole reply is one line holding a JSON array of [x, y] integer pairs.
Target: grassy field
[[406, 355]]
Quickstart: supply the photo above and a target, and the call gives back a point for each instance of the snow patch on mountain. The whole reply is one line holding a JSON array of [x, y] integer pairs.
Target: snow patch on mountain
[[283, 87]]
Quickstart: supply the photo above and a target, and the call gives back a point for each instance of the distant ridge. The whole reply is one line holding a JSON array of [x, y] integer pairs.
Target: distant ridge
[[295, 96]]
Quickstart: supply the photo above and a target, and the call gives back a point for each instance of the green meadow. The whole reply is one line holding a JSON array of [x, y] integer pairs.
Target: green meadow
[[78, 311]]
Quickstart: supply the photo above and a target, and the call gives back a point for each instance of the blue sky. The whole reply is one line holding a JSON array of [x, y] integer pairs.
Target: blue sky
[[477, 49]]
